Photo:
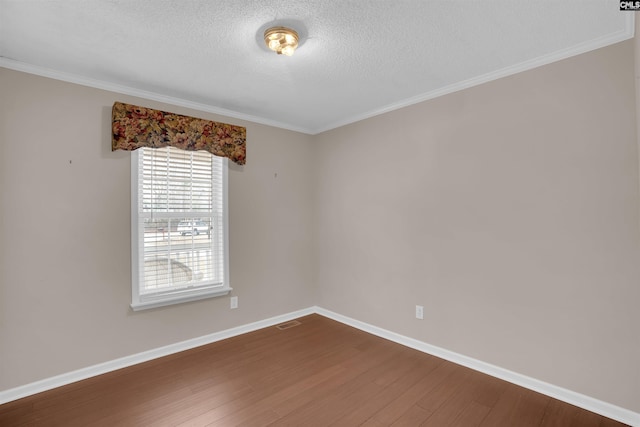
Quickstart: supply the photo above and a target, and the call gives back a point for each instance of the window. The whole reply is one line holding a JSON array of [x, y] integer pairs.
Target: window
[[179, 241]]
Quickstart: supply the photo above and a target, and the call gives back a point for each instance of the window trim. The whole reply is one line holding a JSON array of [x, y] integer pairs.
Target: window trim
[[137, 303]]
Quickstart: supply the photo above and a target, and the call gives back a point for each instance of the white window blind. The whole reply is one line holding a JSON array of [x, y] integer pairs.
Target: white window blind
[[179, 226]]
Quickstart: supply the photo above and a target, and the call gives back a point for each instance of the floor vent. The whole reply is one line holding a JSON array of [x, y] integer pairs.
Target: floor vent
[[288, 325]]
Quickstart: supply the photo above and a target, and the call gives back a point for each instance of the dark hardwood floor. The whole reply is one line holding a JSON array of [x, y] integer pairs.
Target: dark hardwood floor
[[319, 373]]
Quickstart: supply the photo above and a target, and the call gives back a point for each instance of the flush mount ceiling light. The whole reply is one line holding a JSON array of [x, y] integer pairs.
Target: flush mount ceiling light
[[281, 40]]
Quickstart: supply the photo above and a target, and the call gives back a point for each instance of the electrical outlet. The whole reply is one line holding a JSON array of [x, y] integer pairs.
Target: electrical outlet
[[419, 312], [234, 302]]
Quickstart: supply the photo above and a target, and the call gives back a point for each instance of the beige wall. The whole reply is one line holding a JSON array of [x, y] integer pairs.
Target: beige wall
[[636, 44], [509, 210], [64, 234]]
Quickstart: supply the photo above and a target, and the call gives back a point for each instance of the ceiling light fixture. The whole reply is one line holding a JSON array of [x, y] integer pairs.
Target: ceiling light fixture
[[281, 40]]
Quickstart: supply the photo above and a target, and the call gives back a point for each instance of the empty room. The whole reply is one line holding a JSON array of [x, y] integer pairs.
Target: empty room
[[319, 213]]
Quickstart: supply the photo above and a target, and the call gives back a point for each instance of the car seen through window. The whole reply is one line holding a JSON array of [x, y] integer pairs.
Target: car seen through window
[[193, 228]]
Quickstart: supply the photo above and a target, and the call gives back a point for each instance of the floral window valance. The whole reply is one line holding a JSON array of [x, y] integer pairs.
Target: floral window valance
[[135, 127]]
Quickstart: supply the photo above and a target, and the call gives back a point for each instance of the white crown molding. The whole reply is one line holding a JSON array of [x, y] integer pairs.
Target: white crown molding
[[123, 362], [619, 36], [589, 403], [581, 48], [127, 90]]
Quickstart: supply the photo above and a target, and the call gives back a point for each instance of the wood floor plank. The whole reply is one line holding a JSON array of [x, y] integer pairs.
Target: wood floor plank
[[352, 368], [559, 414], [261, 419], [471, 416], [414, 416], [456, 401], [265, 402], [286, 379], [607, 422], [329, 407], [388, 414], [437, 397], [319, 373], [517, 406], [404, 379]]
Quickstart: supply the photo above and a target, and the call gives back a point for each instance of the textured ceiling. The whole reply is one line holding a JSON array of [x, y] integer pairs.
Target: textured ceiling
[[357, 58]]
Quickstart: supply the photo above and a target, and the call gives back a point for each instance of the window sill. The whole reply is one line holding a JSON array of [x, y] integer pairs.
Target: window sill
[[178, 299]]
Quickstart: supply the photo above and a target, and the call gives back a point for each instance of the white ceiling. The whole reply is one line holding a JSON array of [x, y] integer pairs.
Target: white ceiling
[[357, 58]]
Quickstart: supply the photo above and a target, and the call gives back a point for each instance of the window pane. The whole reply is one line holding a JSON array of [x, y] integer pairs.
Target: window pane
[[180, 226]]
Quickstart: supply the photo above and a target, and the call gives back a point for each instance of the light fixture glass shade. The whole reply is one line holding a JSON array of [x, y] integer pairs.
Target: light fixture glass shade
[[281, 40], [287, 50]]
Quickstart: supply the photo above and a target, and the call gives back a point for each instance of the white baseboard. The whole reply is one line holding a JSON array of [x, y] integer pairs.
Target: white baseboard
[[123, 362], [594, 405], [589, 403]]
